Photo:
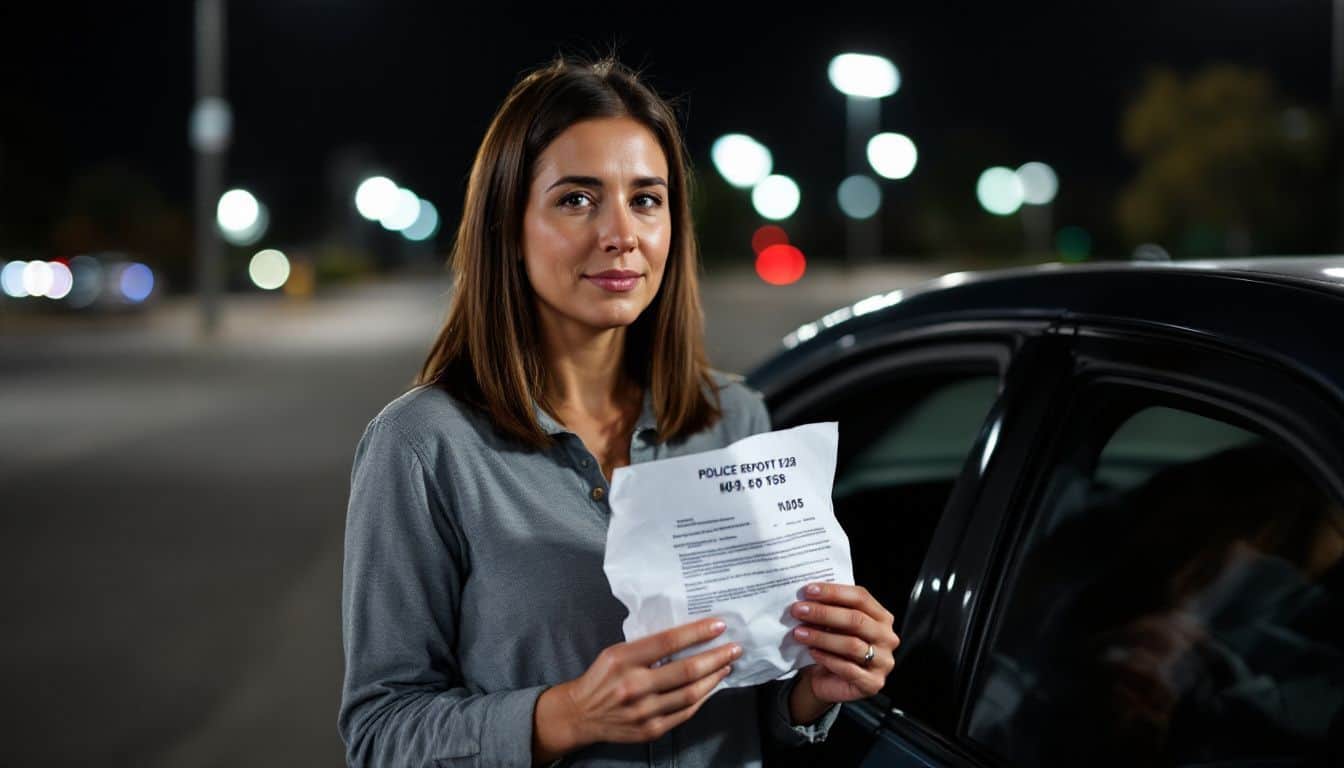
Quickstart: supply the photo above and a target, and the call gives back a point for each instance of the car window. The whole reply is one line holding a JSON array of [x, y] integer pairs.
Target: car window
[[903, 441], [1176, 603]]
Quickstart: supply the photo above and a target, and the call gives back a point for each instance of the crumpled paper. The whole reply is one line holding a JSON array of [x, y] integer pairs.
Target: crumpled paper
[[733, 533]]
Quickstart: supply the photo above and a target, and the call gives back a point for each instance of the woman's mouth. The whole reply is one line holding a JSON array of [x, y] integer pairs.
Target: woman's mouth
[[615, 280]]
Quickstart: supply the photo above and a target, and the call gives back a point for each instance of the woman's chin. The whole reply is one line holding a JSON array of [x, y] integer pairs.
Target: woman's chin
[[616, 314]]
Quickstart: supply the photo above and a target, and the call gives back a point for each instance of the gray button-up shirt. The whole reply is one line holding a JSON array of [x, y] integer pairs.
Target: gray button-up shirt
[[473, 581]]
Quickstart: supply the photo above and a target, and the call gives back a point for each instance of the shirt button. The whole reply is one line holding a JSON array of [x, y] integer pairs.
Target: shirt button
[[584, 462], [598, 493]]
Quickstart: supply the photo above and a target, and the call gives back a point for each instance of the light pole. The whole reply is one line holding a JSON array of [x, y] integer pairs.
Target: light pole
[[865, 80], [1029, 189], [1337, 112], [210, 129], [1039, 187]]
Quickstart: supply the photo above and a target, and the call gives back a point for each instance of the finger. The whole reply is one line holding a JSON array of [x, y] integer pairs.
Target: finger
[[647, 650], [848, 596], [865, 680], [846, 621], [678, 699], [692, 668], [660, 724], [847, 646]]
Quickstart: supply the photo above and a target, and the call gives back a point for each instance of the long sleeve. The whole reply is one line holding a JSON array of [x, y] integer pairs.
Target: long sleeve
[[775, 710], [404, 700]]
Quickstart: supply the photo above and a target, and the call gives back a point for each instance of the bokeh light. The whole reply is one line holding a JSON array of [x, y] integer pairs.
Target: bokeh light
[[402, 211], [1039, 183], [425, 225], [136, 282], [374, 196], [37, 278], [61, 281], [768, 235], [999, 191], [781, 264], [776, 197], [11, 279], [741, 160], [269, 269], [859, 197], [863, 75], [87, 274], [210, 125], [892, 155], [250, 235], [237, 211]]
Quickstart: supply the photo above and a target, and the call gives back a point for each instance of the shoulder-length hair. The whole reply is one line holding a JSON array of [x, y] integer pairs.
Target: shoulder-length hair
[[488, 352]]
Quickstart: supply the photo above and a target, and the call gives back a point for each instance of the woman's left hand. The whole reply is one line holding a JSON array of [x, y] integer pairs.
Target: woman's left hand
[[840, 625]]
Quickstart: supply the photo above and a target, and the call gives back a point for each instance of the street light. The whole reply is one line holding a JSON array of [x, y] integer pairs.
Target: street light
[[741, 160], [1039, 183], [374, 196], [999, 191], [425, 226], [1029, 189], [242, 218], [269, 269], [402, 211], [209, 131], [859, 196], [864, 76], [892, 155], [864, 79], [776, 197]]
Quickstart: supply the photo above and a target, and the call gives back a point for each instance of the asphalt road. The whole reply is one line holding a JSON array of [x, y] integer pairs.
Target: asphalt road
[[172, 511]]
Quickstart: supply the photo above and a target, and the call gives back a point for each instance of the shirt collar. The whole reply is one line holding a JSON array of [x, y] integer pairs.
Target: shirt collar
[[647, 420]]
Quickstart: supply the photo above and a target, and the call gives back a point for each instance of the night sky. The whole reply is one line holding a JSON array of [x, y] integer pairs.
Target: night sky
[[411, 87]]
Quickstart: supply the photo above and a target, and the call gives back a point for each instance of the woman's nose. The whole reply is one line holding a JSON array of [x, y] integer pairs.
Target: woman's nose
[[618, 230]]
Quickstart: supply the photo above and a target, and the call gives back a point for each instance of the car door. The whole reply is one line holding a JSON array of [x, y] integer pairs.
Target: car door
[[912, 419], [1162, 583]]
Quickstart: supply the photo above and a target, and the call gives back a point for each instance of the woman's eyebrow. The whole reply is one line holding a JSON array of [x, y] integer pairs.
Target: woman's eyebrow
[[593, 181]]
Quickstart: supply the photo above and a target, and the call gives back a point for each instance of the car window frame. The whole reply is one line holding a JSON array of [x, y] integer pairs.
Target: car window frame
[[1008, 346]]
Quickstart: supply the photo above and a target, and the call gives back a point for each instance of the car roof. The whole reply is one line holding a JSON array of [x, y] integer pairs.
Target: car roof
[[1321, 271], [1288, 307]]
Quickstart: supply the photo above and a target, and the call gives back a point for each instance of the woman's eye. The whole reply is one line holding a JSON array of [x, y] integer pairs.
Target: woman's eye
[[575, 200], [648, 201]]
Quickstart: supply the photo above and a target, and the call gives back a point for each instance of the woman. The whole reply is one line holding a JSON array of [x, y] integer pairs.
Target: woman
[[478, 625]]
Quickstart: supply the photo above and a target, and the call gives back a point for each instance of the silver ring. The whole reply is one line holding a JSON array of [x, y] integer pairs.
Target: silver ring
[[868, 657]]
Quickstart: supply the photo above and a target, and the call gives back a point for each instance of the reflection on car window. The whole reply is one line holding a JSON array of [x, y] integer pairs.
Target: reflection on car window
[[902, 444], [926, 441], [1177, 604], [1158, 437]]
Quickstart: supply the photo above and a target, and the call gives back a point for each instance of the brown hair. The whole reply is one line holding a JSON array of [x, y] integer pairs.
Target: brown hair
[[488, 352]]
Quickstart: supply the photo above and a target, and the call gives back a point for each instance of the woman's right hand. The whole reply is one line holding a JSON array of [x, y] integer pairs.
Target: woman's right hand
[[623, 698]]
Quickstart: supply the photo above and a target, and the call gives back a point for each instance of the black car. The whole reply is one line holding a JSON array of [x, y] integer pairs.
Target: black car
[[1106, 504]]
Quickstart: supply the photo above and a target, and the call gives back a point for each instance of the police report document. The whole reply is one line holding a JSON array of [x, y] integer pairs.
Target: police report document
[[733, 533]]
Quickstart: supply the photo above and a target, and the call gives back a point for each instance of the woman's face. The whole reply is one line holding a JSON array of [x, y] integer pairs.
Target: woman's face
[[598, 226]]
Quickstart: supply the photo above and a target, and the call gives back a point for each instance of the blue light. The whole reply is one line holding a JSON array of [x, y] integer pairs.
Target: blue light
[[137, 282]]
